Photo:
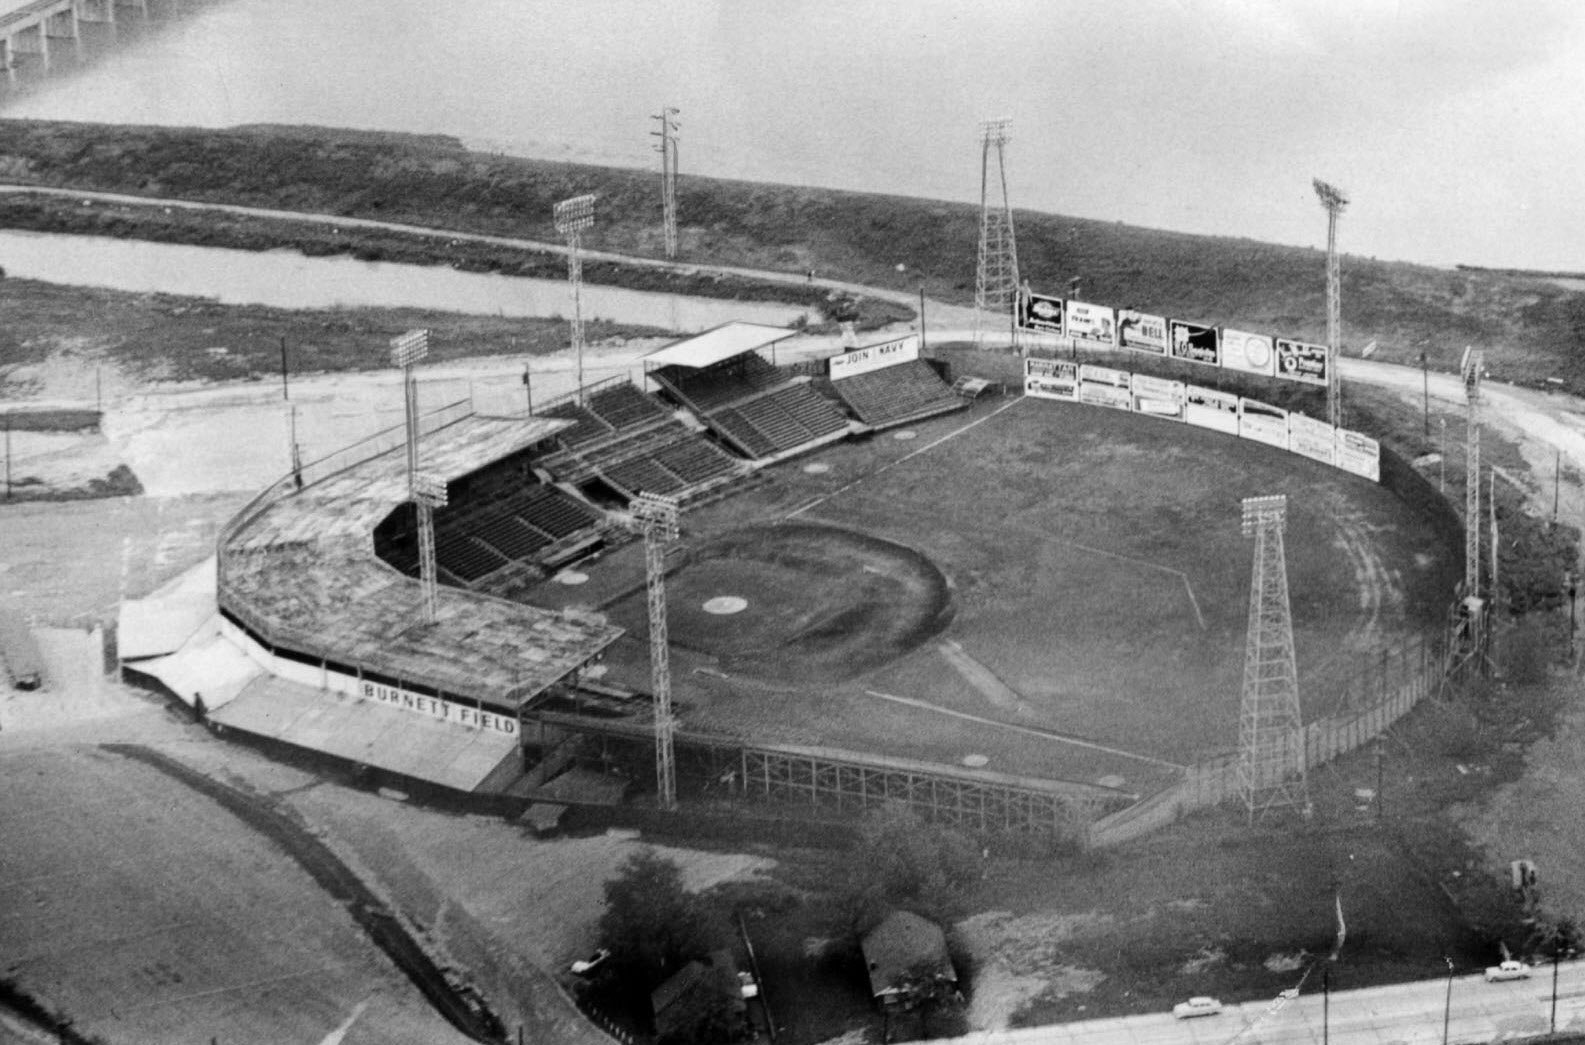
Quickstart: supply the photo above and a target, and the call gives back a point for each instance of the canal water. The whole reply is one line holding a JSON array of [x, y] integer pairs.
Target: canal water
[[287, 279]]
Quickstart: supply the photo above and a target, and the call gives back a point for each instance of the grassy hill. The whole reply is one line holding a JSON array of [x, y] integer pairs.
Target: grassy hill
[[1531, 325]]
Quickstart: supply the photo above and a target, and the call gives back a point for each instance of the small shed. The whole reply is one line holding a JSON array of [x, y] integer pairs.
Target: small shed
[[907, 959], [691, 992]]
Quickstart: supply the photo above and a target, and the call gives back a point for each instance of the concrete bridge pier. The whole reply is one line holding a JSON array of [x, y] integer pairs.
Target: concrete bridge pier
[[62, 25], [5, 60], [29, 44]]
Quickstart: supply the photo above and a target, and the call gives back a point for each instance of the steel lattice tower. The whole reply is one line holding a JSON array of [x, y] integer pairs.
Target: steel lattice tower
[[1271, 756], [572, 217], [424, 491], [428, 493], [1471, 369], [656, 516], [1334, 200], [996, 282], [667, 147]]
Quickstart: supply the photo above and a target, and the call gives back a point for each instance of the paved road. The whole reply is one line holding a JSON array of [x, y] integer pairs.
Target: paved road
[[1402, 1014]]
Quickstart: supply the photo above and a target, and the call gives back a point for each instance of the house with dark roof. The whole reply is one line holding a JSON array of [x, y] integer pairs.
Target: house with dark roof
[[699, 992], [907, 959]]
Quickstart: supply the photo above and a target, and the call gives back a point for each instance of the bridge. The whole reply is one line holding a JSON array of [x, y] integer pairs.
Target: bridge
[[33, 30]]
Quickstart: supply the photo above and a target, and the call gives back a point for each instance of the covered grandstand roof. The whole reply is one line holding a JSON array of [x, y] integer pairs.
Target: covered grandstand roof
[[304, 573], [714, 346]]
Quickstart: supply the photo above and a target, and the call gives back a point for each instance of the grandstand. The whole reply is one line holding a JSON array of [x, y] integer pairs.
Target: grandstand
[[633, 443], [887, 384], [898, 395], [302, 589], [762, 411]]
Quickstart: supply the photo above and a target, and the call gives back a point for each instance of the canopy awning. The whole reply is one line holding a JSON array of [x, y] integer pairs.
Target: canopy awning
[[714, 346]]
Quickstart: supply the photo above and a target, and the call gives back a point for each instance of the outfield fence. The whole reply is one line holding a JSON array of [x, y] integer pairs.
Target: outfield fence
[[1367, 705]]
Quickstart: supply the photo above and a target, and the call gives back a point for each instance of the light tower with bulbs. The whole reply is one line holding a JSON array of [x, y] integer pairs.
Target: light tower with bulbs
[[573, 216], [1334, 200]]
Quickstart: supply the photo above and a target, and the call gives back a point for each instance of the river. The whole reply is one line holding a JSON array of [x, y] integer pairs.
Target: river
[[1443, 121], [287, 279]]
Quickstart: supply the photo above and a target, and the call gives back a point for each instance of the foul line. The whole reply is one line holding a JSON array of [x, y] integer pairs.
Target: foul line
[[906, 457], [1044, 734], [1184, 577]]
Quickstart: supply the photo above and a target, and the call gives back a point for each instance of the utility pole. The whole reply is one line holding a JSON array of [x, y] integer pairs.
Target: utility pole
[[1425, 393], [1334, 200], [572, 217], [996, 280], [667, 147], [1447, 1006], [286, 392], [1470, 367]]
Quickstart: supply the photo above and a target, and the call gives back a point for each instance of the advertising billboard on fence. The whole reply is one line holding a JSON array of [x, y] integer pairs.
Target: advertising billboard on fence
[[1051, 379], [875, 357], [1158, 397], [1359, 454], [1142, 332], [1040, 313], [1091, 324], [1299, 361], [1263, 422], [1194, 342], [1209, 408], [1314, 439], [1103, 386], [1251, 353]]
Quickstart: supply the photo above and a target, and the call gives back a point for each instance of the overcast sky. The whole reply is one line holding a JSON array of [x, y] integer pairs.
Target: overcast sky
[[1451, 125]]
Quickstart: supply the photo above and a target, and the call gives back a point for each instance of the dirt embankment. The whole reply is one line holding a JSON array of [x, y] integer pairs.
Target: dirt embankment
[[1528, 324]]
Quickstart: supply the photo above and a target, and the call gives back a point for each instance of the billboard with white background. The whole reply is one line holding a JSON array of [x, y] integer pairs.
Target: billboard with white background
[[1251, 353]]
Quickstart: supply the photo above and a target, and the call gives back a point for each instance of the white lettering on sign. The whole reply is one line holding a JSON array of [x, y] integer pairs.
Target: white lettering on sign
[[434, 707]]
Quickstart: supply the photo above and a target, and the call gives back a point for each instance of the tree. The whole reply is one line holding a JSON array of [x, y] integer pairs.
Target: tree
[[905, 862], [652, 925]]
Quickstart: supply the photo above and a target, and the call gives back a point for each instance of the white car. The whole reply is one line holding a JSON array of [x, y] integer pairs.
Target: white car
[[586, 966], [746, 985], [1200, 1006], [1508, 970]]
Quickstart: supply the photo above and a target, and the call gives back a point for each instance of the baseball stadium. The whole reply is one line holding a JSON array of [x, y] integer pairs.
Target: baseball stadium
[[1010, 589]]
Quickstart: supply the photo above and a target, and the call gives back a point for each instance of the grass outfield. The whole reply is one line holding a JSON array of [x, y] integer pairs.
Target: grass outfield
[[1099, 590]]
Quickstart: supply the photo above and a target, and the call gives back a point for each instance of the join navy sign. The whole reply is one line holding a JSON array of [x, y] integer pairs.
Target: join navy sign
[[1040, 313]]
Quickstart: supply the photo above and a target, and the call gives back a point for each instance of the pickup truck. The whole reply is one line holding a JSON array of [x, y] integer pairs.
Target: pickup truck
[[1508, 970]]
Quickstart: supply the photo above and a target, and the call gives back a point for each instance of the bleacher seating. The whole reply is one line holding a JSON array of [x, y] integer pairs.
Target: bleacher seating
[[475, 538], [547, 508], [644, 475], [622, 406], [780, 421], [587, 426], [723, 384], [466, 558], [694, 460], [900, 393], [512, 537]]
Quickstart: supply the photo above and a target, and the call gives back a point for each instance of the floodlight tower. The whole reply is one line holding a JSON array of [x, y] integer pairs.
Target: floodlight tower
[[406, 350], [1334, 200], [667, 147], [572, 217], [996, 283], [1471, 366], [1271, 755], [656, 516], [428, 493]]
